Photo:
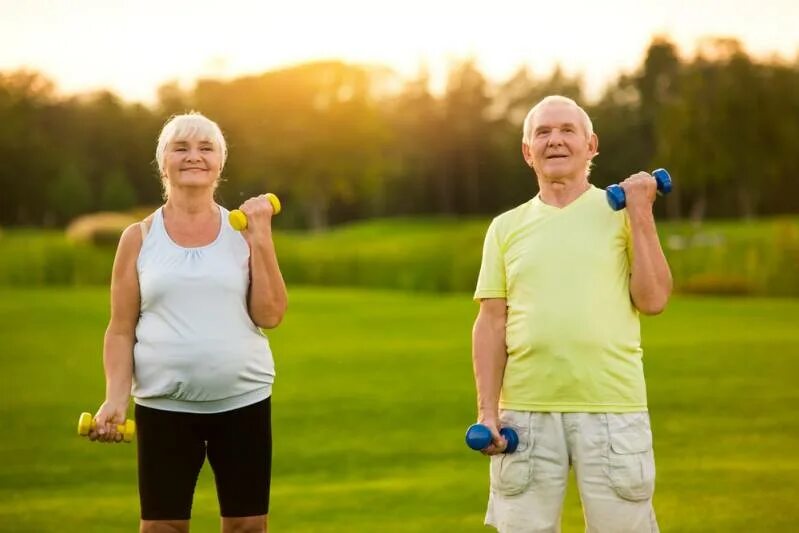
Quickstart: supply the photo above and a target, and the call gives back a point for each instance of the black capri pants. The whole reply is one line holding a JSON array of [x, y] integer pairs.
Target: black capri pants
[[172, 447]]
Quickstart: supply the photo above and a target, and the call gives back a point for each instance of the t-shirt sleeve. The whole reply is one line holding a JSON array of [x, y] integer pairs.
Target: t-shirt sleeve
[[491, 281]]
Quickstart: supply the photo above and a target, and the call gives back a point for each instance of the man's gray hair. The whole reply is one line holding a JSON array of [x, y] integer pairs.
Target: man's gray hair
[[527, 130]]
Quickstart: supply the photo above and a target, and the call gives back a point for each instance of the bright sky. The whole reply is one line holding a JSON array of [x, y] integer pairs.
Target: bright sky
[[131, 47]]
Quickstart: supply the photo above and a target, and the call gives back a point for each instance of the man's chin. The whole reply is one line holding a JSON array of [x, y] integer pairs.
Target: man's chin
[[558, 175]]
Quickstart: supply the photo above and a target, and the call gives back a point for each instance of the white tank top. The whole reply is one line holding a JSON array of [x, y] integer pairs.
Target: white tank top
[[197, 350]]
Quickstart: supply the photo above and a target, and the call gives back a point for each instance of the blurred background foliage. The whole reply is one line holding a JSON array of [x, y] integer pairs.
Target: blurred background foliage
[[424, 254], [390, 184]]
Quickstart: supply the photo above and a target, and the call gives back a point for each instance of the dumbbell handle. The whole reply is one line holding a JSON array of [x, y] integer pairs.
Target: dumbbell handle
[[618, 200], [86, 423], [478, 437], [238, 219]]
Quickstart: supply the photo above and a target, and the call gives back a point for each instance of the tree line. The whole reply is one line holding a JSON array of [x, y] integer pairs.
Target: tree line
[[341, 142]]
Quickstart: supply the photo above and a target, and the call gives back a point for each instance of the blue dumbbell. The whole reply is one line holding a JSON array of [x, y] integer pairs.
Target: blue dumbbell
[[478, 437], [617, 199]]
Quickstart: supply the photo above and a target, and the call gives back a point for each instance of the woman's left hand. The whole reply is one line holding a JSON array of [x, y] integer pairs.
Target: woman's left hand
[[259, 212]]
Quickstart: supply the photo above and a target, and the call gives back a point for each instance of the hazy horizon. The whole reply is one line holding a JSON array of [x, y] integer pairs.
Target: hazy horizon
[[133, 48]]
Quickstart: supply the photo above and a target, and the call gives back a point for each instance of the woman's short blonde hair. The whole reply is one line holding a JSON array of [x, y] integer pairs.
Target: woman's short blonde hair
[[191, 125]]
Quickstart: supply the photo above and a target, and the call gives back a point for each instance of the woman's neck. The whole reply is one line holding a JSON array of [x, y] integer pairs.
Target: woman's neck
[[192, 204]]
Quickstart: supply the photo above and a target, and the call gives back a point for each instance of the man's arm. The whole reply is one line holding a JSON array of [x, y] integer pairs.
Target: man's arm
[[650, 278], [489, 355]]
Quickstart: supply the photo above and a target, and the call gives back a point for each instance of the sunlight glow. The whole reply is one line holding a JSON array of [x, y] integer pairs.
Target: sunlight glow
[[133, 47]]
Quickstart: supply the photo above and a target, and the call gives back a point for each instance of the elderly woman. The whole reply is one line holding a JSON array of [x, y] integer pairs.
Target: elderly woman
[[189, 295]]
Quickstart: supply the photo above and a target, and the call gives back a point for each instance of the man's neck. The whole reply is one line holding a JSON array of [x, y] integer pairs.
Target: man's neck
[[562, 192]]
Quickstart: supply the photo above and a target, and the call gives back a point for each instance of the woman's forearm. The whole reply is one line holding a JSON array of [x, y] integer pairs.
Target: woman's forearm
[[118, 365], [268, 298]]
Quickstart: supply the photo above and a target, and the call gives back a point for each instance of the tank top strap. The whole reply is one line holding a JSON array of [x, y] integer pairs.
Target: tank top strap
[[158, 221]]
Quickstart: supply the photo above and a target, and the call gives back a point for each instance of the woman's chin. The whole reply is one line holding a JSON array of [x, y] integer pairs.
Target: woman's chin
[[193, 185]]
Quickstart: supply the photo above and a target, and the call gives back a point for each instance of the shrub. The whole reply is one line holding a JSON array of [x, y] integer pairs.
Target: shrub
[[100, 229]]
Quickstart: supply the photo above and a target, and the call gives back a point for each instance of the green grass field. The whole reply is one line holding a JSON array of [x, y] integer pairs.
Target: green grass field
[[373, 394]]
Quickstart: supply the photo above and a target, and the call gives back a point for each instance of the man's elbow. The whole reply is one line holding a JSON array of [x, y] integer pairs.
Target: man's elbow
[[651, 309], [652, 305]]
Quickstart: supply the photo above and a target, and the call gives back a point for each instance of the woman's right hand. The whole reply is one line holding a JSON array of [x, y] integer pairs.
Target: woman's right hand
[[108, 416]]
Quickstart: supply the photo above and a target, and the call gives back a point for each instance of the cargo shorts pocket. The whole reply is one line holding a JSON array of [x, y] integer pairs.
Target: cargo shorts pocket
[[512, 473], [631, 460]]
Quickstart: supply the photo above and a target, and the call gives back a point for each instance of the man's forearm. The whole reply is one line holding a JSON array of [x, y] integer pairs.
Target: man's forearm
[[650, 280], [489, 357]]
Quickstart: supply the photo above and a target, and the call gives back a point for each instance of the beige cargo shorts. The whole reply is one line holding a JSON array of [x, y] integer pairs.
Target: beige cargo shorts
[[613, 461]]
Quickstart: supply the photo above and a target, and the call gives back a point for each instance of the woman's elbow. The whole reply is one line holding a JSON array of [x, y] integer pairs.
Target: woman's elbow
[[271, 318], [270, 322]]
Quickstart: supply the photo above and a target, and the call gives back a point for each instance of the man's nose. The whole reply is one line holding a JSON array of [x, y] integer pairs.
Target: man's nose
[[555, 138]]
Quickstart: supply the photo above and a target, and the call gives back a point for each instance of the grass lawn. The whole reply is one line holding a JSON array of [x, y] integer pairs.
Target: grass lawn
[[374, 392]]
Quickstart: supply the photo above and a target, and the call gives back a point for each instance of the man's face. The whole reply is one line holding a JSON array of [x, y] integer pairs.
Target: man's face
[[560, 148]]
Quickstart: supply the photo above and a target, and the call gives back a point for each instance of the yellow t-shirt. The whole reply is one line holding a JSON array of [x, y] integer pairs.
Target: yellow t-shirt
[[573, 335]]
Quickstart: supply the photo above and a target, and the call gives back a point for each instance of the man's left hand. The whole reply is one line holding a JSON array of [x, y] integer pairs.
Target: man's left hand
[[640, 191]]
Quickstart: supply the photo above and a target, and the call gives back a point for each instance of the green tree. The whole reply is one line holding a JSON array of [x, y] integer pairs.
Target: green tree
[[467, 130], [70, 194], [27, 101], [722, 135], [117, 193], [313, 131], [417, 155]]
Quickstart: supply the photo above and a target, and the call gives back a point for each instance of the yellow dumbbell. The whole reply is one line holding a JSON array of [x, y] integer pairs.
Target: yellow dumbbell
[[239, 220], [86, 423]]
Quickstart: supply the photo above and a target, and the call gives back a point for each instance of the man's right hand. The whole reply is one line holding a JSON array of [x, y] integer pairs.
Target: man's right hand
[[498, 443]]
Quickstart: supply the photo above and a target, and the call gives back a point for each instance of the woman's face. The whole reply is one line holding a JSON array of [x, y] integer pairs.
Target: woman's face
[[192, 163]]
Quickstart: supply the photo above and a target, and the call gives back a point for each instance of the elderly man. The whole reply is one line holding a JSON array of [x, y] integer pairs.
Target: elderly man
[[556, 344]]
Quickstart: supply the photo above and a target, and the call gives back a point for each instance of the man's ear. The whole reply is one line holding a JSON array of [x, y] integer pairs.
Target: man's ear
[[593, 146], [528, 155]]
